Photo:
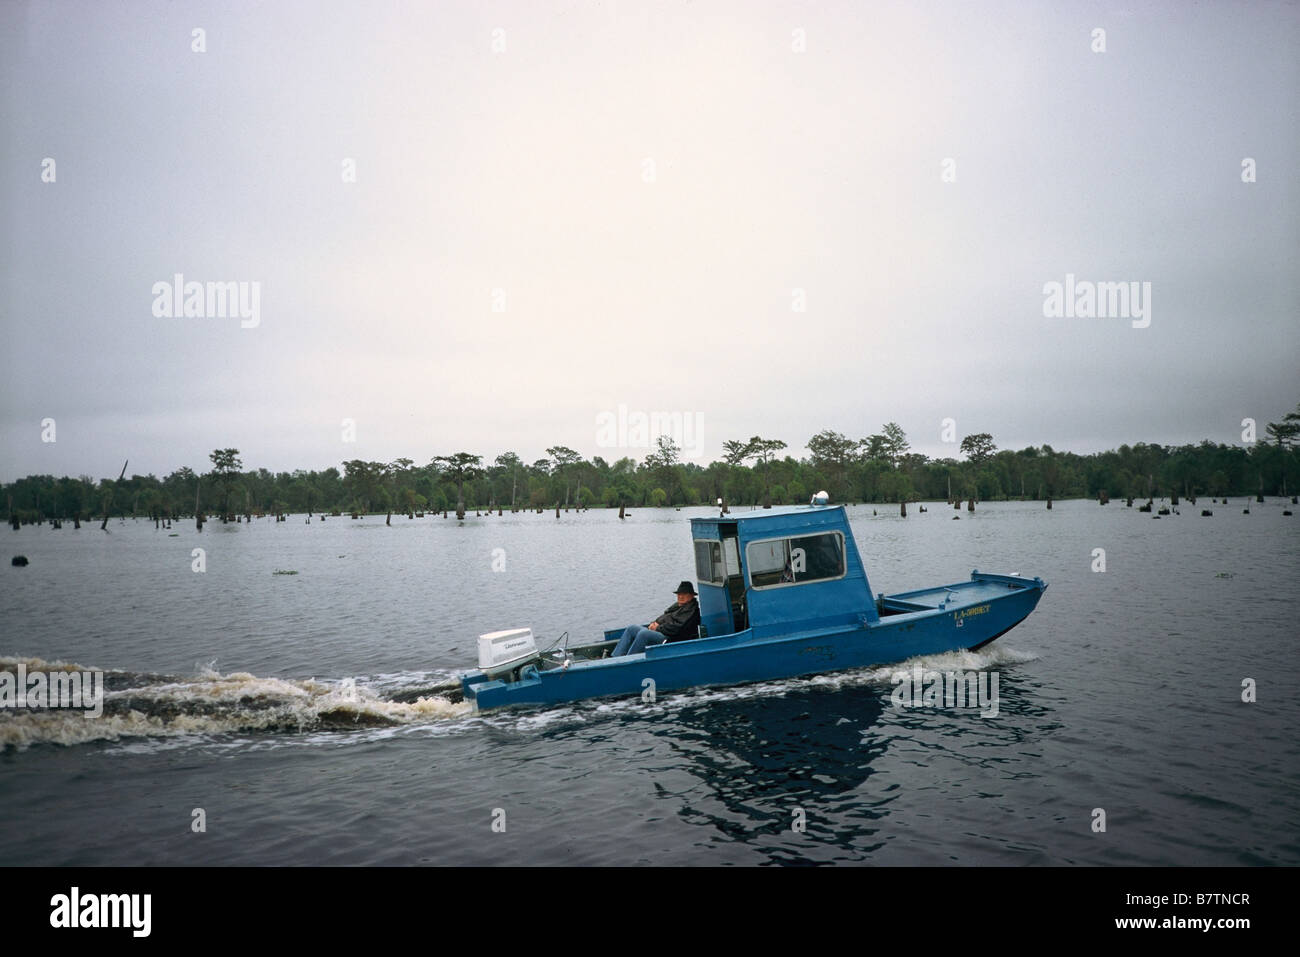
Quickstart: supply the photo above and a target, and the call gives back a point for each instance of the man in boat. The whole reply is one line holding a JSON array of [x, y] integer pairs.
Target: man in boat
[[680, 621]]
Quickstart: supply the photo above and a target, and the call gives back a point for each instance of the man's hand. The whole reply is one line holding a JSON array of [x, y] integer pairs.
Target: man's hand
[[653, 626]]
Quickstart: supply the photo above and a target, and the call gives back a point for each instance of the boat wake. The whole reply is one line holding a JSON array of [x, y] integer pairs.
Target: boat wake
[[139, 704], [989, 657], [143, 706]]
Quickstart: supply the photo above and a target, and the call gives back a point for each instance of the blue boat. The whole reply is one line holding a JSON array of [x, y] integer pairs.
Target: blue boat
[[783, 593]]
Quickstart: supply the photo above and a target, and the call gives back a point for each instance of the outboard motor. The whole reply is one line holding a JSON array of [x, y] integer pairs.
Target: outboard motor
[[502, 652]]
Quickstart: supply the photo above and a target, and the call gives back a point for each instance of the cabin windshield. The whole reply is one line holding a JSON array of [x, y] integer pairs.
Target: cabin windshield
[[730, 555], [795, 560]]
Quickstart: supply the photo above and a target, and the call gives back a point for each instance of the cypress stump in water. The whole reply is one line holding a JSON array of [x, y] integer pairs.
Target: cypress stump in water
[[1049, 503], [970, 506], [902, 509]]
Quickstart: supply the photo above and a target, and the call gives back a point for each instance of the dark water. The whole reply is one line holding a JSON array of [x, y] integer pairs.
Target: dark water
[[266, 700]]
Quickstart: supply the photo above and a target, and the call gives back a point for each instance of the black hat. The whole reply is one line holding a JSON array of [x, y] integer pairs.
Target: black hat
[[686, 588]]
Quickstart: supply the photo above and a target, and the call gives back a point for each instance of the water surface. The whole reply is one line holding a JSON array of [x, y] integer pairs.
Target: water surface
[[267, 700]]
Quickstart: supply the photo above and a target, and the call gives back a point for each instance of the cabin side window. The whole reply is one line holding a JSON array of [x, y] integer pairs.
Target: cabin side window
[[793, 561], [708, 562]]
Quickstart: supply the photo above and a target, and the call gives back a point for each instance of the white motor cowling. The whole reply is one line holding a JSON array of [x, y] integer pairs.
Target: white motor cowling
[[503, 651]]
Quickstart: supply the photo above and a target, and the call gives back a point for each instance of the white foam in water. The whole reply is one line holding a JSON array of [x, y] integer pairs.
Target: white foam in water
[[211, 703]]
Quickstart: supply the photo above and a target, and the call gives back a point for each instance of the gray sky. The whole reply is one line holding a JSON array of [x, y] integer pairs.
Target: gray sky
[[640, 189]]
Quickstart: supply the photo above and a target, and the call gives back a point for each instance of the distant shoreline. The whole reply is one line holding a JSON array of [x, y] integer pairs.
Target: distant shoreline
[[879, 470]]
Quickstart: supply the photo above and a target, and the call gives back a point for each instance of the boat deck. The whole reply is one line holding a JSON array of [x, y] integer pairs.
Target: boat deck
[[980, 589]]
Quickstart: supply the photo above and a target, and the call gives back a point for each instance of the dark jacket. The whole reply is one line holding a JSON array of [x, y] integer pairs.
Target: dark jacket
[[680, 622]]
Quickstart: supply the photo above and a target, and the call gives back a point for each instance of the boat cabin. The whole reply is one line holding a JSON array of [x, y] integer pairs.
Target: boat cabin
[[772, 569]]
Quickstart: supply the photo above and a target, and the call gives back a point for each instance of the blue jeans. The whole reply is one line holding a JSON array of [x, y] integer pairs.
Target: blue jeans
[[635, 640]]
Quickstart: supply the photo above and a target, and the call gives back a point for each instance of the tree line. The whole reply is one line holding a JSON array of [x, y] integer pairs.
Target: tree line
[[878, 468]]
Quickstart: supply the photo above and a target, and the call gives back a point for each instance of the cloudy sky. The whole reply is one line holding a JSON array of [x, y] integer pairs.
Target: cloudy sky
[[484, 226]]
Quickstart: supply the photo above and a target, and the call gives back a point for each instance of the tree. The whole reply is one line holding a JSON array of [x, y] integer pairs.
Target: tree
[[873, 449], [978, 448], [362, 481], [460, 468], [509, 462], [764, 449], [761, 450], [226, 467], [565, 459], [662, 463], [734, 452], [832, 453], [665, 455], [1285, 434], [895, 443], [302, 495], [395, 476], [831, 449]]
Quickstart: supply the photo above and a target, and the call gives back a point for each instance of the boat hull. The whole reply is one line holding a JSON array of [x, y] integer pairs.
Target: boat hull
[[958, 617]]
